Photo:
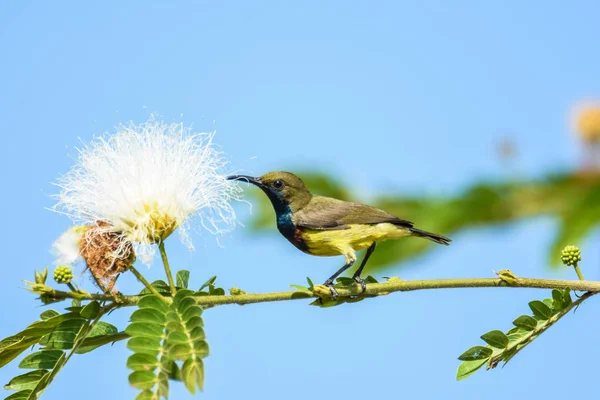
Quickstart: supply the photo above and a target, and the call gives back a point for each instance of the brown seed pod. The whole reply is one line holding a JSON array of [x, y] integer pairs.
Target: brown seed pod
[[106, 254]]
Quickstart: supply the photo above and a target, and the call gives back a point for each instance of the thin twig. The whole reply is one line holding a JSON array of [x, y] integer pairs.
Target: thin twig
[[165, 260], [374, 289], [143, 280]]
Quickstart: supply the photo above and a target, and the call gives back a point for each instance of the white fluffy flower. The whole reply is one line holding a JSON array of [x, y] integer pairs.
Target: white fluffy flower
[[67, 246], [147, 180]]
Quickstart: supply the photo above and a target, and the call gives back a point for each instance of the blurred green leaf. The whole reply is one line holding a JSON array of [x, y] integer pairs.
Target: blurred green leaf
[[577, 221], [345, 281]]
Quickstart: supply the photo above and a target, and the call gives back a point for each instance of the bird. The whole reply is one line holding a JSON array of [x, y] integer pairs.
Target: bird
[[325, 226]]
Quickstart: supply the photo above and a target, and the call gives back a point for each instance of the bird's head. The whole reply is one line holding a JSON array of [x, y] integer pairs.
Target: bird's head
[[282, 188]]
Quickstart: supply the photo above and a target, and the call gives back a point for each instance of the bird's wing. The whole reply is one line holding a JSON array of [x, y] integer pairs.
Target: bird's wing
[[326, 213]]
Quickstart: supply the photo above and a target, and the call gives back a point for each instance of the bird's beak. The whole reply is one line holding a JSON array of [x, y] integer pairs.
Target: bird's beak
[[245, 178]]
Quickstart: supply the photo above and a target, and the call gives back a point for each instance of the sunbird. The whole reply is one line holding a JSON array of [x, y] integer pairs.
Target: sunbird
[[324, 226]]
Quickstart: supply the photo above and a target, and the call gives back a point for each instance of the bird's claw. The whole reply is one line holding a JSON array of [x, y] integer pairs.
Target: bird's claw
[[334, 293], [362, 283]]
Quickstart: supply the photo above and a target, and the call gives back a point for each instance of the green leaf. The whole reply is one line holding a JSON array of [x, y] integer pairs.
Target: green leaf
[[208, 283], [183, 278], [567, 300], [160, 285], [302, 289], [12, 347], [144, 329], [148, 341], [557, 300], [143, 380], [216, 291], [186, 339], [327, 303], [345, 281], [91, 310], [145, 395], [63, 336], [525, 322], [44, 359], [92, 343], [496, 339], [192, 375], [467, 368], [517, 334], [22, 395], [476, 353], [48, 314], [144, 345], [150, 316], [102, 328], [26, 381], [162, 333], [540, 310], [577, 221], [102, 333], [310, 282], [153, 302], [549, 303], [41, 328], [142, 362], [175, 372]]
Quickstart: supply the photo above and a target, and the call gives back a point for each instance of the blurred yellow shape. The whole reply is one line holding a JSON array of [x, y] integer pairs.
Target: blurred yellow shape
[[587, 122]]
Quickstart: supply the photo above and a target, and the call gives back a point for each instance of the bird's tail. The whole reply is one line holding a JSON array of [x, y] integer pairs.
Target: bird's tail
[[431, 236]]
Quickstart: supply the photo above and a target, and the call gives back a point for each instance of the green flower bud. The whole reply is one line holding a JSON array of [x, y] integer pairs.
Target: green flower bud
[[63, 274], [236, 291], [570, 255], [507, 276], [40, 277]]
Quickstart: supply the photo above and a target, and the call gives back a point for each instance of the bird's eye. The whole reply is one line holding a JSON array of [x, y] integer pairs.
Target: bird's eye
[[278, 184]]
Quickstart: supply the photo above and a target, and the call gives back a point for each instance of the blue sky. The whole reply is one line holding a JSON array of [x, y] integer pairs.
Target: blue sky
[[388, 96]]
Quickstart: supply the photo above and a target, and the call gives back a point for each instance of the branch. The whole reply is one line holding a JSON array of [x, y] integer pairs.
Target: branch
[[319, 291], [518, 345]]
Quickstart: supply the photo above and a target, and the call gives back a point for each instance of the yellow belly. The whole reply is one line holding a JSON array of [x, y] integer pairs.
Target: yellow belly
[[346, 241]]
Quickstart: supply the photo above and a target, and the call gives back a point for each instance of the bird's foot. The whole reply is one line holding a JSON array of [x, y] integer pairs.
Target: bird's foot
[[362, 283], [334, 293]]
